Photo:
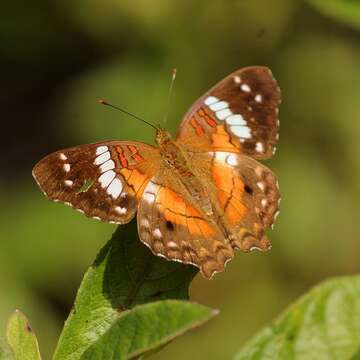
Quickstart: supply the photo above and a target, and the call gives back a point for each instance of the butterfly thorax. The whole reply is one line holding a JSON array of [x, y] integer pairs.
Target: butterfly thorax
[[162, 136], [178, 160]]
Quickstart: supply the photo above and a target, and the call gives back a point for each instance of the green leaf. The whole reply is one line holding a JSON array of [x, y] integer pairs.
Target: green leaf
[[323, 324], [21, 338], [5, 351], [347, 11], [146, 327], [124, 274]]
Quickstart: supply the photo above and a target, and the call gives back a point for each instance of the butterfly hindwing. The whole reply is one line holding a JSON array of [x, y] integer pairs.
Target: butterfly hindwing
[[245, 194], [174, 228], [102, 180], [239, 114]]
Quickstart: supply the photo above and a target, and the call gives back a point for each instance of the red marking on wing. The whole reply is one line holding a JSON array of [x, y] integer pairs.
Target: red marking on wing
[[122, 158], [198, 128], [210, 121], [135, 154]]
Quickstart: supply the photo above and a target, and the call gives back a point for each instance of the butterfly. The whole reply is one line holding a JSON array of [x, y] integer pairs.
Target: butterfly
[[198, 197]]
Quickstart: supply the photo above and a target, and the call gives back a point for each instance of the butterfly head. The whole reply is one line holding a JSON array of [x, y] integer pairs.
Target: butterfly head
[[162, 136]]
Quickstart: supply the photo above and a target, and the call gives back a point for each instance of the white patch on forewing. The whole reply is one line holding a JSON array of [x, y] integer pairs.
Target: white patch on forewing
[[151, 187], [120, 210], [241, 131], [231, 160], [261, 185], [149, 197], [106, 178], [109, 165], [210, 100], [150, 191], [157, 233], [219, 106], [263, 202], [115, 188], [245, 87], [101, 149], [259, 147], [235, 120], [68, 182], [223, 114], [220, 156], [62, 156], [102, 158], [258, 98], [66, 167], [237, 79]]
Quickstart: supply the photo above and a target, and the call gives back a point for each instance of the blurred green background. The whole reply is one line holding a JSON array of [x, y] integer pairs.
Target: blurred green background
[[58, 57]]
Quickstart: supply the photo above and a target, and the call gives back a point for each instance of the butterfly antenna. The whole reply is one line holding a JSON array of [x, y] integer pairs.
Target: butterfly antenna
[[103, 102], [173, 77]]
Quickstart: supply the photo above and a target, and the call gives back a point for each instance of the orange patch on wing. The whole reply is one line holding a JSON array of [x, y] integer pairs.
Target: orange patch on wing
[[221, 139], [126, 173], [178, 212], [171, 200], [223, 198], [170, 216], [196, 225], [135, 179], [230, 191], [224, 177], [205, 228], [235, 211], [192, 226]]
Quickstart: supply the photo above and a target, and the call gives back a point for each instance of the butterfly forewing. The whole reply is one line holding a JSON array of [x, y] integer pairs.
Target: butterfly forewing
[[239, 114], [103, 180]]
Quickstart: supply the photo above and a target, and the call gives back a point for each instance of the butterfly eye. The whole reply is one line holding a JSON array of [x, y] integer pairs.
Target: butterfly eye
[[248, 189]]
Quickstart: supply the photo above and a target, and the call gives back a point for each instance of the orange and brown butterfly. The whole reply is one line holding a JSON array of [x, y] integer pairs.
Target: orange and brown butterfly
[[198, 197]]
